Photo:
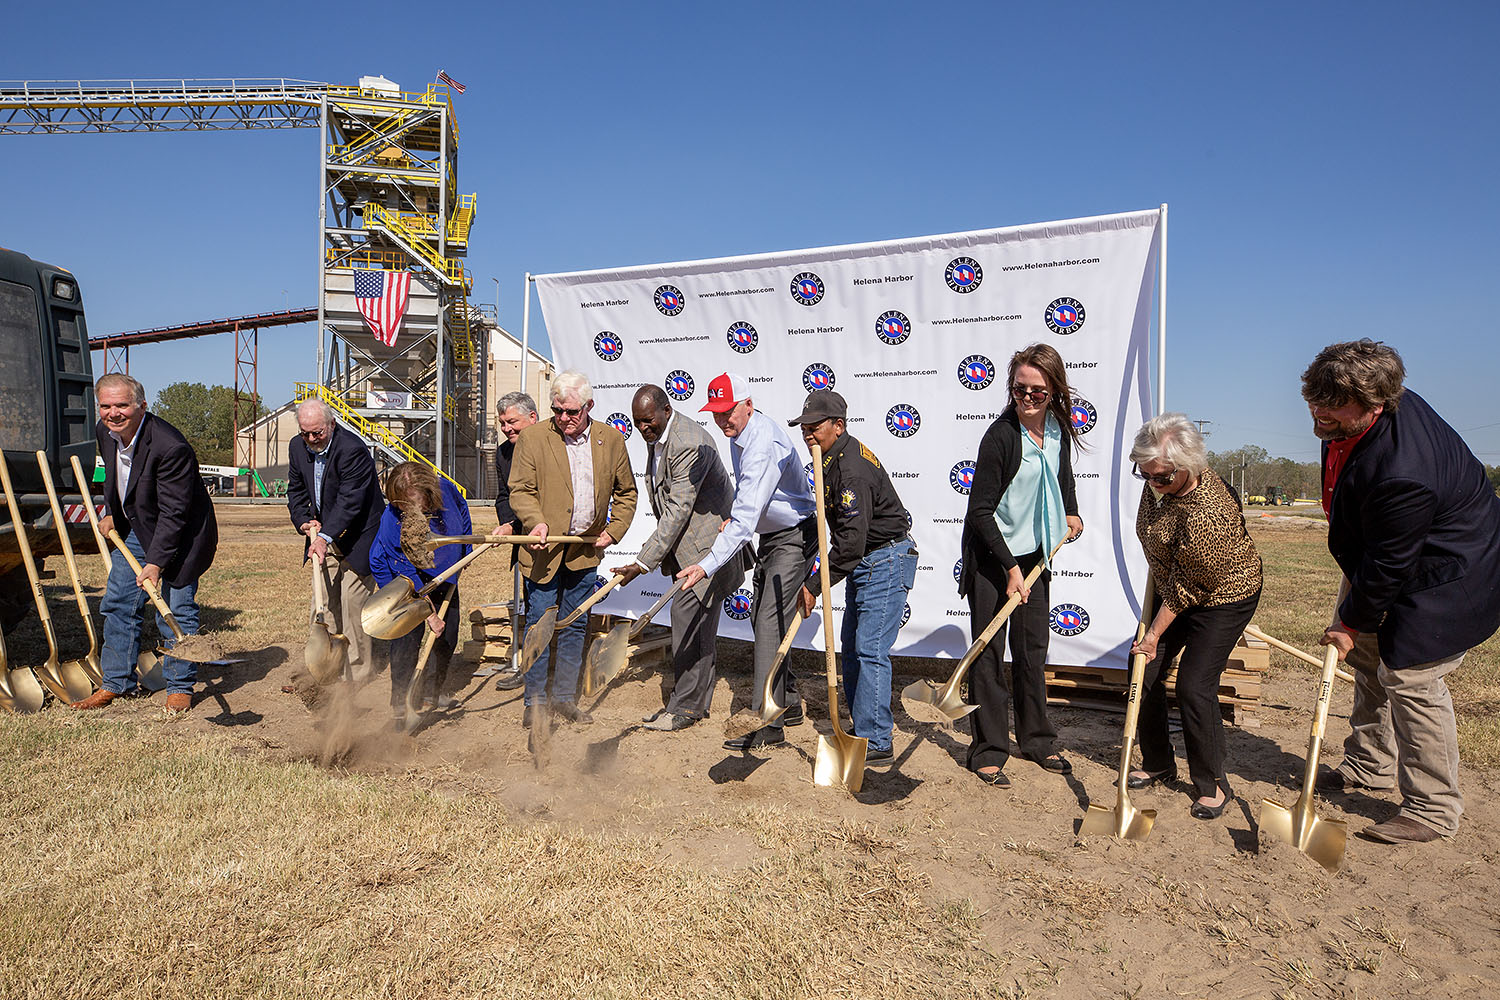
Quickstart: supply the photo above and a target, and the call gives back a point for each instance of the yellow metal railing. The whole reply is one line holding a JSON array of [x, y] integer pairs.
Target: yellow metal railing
[[463, 219], [388, 259], [446, 268], [371, 430], [434, 94]]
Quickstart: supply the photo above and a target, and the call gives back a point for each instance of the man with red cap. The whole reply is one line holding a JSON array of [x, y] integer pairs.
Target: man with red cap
[[772, 498]]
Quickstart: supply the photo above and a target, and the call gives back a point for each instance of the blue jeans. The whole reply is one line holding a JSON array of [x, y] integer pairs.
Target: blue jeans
[[122, 609], [565, 591], [874, 599]]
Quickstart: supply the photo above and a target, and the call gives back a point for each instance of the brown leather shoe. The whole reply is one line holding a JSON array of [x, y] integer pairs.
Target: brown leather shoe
[[98, 699], [179, 701], [1401, 830]]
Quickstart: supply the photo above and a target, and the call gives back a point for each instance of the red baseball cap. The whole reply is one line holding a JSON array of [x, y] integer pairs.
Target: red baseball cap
[[724, 392]]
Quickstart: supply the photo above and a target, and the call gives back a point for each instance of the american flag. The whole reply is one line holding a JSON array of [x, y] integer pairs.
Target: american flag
[[458, 88], [382, 297]]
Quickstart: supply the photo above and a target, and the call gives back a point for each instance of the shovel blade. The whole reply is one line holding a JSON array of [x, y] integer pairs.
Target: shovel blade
[[76, 679], [92, 667], [924, 702], [26, 694], [1123, 820], [1322, 840], [325, 655], [538, 635], [148, 670], [840, 762], [394, 610]]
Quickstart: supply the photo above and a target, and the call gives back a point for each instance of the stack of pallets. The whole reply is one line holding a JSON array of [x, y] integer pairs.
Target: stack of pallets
[[1239, 688]]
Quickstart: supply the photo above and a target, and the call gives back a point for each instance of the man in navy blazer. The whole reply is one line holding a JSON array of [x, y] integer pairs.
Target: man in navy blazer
[[159, 506], [1414, 525], [334, 500]]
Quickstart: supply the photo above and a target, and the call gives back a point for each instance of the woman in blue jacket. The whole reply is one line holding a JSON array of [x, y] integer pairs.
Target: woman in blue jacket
[[420, 504]]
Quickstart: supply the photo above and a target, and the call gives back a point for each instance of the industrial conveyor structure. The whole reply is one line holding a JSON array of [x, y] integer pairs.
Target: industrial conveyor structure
[[389, 203]]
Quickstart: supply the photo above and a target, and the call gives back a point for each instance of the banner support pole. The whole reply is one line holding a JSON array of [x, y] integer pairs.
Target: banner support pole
[[1161, 317], [517, 586]]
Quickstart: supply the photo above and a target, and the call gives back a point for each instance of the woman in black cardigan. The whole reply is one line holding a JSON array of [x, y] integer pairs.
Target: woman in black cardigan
[[1020, 505]]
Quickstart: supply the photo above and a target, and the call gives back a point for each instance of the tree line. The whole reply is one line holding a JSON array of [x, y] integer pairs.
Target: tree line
[[205, 416], [1254, 467]]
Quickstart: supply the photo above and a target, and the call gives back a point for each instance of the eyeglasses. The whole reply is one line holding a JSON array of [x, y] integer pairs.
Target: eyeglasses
[[1162, 479], [1021, 392], [566, 411]]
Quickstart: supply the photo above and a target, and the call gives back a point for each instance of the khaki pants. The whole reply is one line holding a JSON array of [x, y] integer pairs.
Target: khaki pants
[[1403, 732], [347, 593]]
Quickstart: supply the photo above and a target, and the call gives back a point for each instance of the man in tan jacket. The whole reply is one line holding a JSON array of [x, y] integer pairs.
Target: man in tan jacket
[[567, 457]]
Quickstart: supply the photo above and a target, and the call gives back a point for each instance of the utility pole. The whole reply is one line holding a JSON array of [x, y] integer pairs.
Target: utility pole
[[1200, 424]]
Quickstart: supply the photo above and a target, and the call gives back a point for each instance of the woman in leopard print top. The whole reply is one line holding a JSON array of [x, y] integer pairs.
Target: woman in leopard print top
[[1207, 578]]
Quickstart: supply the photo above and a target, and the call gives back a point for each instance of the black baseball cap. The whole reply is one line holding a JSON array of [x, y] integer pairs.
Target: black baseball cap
[[821, 404]]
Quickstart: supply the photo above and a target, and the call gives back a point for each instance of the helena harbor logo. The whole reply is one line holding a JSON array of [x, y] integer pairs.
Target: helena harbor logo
[[961, 477], [958, 571], [1064, 315], [812, 482], [818, 376], [903, 420], [621, 423], [893, 328], [807, 289], [679, 384], [742, 338], [964, 274], [608, 346], [905, 617], [1069, 619], [669, 300], [1083, 415], [738, 604], [976, 372]]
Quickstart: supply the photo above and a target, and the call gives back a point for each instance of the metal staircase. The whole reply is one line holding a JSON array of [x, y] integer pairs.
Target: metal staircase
[[393, 447]]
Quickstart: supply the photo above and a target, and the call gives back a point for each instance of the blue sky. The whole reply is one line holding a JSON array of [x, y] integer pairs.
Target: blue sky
[[1330, 167]]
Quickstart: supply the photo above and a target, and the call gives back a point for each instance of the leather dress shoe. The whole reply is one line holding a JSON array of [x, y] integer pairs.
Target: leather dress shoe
[[509, 678], [98, 699], [526, 718], [572, 713], [179, 701], [1331, 779], [880, 758], [667, 722], [1401, 830], [770, 736], [1145, 779]]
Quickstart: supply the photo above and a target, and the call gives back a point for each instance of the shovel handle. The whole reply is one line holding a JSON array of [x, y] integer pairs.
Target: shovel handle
[[24, 544], [452, 571], [413, 700], [594, 599], [1006, 609], [438, 541], [661, 602], [67, 545], [148, 586], [88, 506], [826, 586], [786, 644], [1306, 657]]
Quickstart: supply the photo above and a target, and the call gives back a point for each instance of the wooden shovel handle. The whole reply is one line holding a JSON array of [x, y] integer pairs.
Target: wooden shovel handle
[[1306, 657], [438, 541], [88, 506], [452, 570], [67, 544], [24, 544], [594, 599], [1006, 609], [413, 700], [661, 602], [148, 586], [826, 586]]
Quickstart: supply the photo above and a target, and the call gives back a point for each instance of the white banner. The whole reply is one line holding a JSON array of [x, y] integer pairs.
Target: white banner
[[916, 335]]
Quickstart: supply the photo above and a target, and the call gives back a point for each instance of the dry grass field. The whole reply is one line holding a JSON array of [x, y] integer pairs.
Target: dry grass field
[[261, 846]]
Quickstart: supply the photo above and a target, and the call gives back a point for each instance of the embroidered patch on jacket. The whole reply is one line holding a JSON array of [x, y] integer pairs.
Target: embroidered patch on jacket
[[868, 455], [848, 502]]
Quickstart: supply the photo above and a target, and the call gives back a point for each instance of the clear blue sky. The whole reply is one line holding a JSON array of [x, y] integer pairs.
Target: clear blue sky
[[1330, 167]]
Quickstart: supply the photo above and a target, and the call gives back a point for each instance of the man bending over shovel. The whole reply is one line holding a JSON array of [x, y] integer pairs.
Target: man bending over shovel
[[161, 510]]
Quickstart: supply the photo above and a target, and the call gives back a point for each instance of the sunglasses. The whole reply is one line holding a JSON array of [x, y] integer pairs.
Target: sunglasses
[[1020, 392], [1162, 479], [565, 411]]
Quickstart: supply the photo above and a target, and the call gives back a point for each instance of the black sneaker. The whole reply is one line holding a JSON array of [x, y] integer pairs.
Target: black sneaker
[[793, 716], [880, 758], [770, 736]]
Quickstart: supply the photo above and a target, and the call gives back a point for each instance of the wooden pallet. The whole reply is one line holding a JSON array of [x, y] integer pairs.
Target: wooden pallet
[[489, 625], [1098, 688]]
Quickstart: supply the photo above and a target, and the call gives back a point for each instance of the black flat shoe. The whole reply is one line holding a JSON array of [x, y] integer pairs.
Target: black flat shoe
[[1056, 763], [998, 779], [1147, 779], [1201, 811]]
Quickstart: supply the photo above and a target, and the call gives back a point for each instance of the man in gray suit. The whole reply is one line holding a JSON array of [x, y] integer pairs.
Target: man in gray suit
[[691, 495]]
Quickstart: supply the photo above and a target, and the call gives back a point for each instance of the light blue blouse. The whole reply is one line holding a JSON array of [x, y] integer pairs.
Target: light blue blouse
[[1030, 513]]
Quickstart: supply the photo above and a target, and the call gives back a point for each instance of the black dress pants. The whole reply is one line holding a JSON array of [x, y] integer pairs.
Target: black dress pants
[[405, 650], [1205, 637], [1028, 631]]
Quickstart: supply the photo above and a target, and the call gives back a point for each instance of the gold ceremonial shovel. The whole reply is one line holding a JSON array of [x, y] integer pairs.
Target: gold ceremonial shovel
[[398, 607], [327, 651], [609, 653], [90, 663], [1320, 839], [19, 690], [769, 710], [148, 664], [840, 761], [926, 702], [1125, 821], [204, 650], [66, 681], [540, 634]]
